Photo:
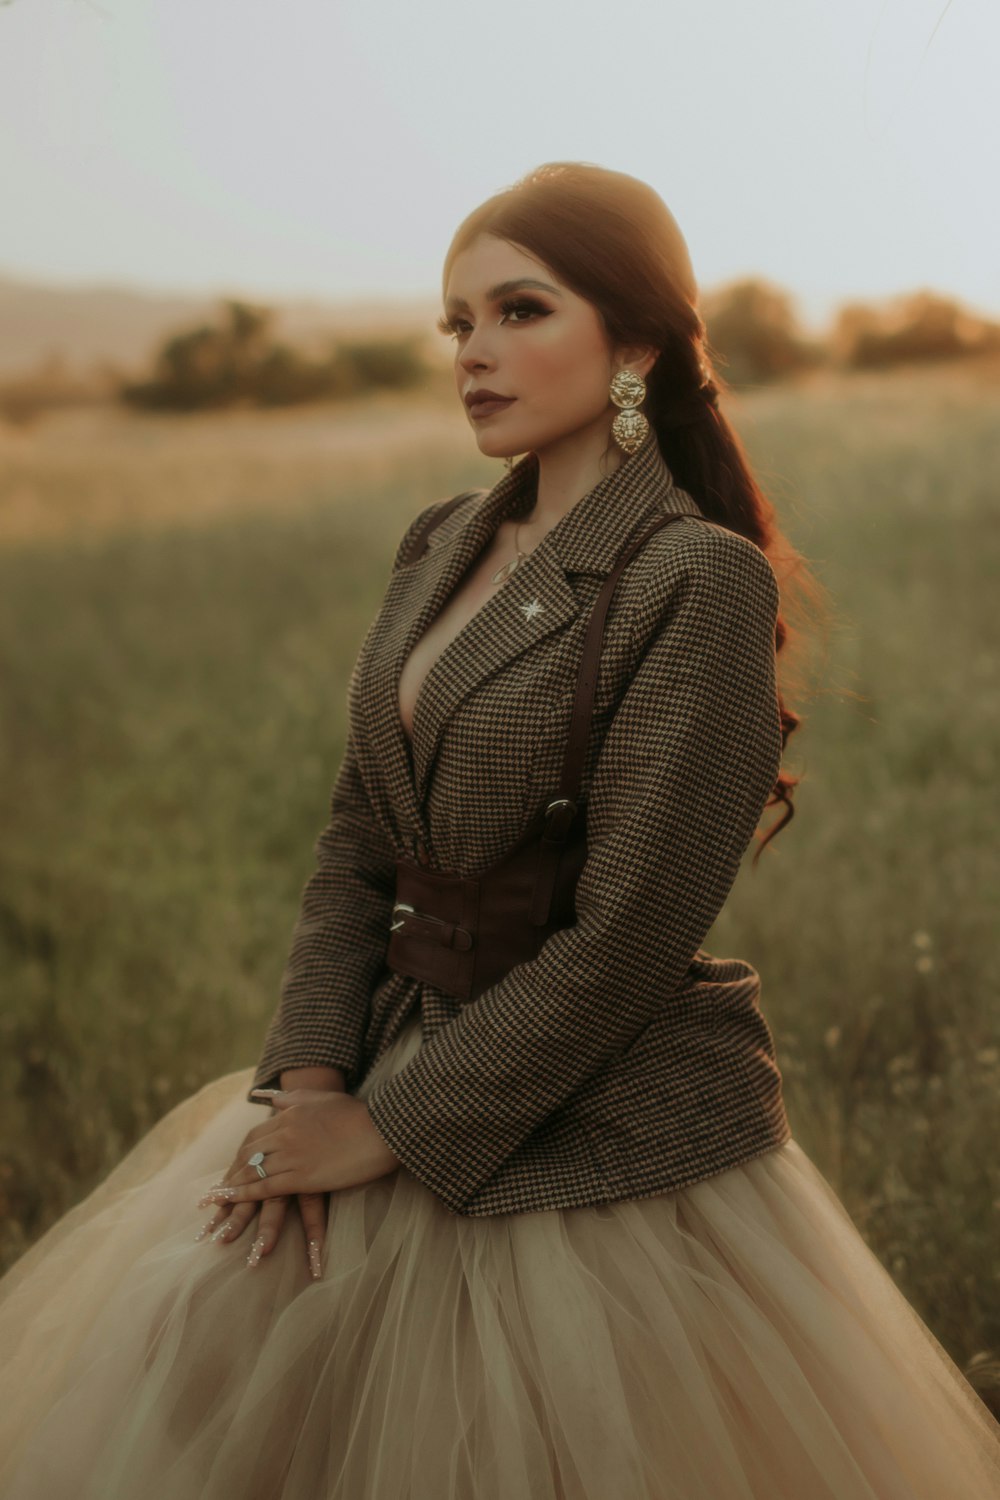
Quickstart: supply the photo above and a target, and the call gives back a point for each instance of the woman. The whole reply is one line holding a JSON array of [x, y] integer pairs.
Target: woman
[[538, 1232]]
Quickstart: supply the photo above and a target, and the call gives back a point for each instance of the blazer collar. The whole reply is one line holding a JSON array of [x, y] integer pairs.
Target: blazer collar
[[594, 531], [536, 600]]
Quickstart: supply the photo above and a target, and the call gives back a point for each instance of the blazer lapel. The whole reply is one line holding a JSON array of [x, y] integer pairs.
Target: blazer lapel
[[534, 602], [537, 600]]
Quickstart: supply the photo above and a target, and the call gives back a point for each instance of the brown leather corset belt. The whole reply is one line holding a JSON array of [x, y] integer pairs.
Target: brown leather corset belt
[[463, 933]]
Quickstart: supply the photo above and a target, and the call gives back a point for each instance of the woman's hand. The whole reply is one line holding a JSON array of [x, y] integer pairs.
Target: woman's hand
[[230, 1220], [317, 1142]]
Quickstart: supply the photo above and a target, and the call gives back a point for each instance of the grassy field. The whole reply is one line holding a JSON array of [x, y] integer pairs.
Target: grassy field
[[181, 601]]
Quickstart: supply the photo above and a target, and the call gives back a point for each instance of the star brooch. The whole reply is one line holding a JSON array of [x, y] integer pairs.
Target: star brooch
[[531, 609]]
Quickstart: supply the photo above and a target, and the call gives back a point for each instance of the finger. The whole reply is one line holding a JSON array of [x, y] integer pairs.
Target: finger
[[272, 1217], [240, 1216], [312, 1211], [252, 1142], [275, 1161], [276, 1184], [215, 1222]]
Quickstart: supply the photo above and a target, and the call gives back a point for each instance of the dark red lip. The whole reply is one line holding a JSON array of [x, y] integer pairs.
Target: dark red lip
[[475, 396]]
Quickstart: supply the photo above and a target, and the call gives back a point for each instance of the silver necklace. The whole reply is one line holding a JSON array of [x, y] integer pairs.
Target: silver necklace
[[508, 568]]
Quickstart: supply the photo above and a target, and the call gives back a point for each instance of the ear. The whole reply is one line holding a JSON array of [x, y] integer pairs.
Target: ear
[[639, 358]]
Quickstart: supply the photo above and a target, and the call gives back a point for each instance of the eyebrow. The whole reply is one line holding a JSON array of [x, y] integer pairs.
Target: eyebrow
[[502, 288]]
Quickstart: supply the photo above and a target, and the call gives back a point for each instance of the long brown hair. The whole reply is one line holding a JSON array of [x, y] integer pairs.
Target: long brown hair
[[612, 240]]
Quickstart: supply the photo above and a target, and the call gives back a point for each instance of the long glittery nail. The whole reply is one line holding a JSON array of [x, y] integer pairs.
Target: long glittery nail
[[223, 1231], [203, 1230], [213, 1193], [314, 1264], [256, 1251]]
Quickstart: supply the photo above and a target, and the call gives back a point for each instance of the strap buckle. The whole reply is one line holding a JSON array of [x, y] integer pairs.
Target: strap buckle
[[448, 934], [559, 817]]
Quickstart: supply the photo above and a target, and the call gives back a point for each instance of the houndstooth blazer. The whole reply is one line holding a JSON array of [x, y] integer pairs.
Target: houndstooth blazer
[[624, 1060]]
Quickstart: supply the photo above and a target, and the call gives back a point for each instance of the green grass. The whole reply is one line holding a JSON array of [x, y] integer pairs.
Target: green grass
[[173, 717]]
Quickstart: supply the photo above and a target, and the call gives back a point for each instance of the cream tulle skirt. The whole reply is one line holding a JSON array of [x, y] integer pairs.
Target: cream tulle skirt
[[736, 1340]]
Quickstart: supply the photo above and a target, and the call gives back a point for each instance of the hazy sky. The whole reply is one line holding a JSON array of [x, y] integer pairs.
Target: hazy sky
[[332, 146]]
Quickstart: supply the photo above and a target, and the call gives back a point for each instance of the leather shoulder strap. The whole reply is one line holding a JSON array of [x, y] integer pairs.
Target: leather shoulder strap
[[586, 685], [418, 542]]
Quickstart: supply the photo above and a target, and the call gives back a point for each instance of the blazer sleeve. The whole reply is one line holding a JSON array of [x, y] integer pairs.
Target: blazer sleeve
[[340, 938], [338, 944], [688, 763]]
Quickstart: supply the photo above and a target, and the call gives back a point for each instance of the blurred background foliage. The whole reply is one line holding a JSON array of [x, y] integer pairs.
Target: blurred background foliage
[[237, 358], [239, 362]]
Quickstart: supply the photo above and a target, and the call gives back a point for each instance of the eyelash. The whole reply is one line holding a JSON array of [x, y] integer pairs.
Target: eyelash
[[516, 304]]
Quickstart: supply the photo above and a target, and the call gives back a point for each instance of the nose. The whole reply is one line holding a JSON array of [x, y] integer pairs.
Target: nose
[[476, 353]]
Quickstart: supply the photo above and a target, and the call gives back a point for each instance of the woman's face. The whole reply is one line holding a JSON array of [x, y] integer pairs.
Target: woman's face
[[540, 344]]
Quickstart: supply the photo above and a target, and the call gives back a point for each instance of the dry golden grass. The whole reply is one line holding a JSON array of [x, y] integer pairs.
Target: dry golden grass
[[83, 471]]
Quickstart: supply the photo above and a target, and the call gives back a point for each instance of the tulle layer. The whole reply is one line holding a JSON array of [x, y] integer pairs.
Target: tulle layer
[[735, 1340]]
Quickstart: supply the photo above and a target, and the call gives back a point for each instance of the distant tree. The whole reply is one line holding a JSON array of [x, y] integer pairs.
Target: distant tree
[[917, 327], [239, 363], [285, 378], [207, 366], [396, 363], [753, 327]]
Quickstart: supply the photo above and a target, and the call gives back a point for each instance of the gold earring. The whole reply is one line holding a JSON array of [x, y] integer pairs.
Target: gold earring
[[630, 426]]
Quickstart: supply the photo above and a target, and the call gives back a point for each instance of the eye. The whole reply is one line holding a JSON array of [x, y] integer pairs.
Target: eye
[[449, 326], [524, 305], [454, 326]]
